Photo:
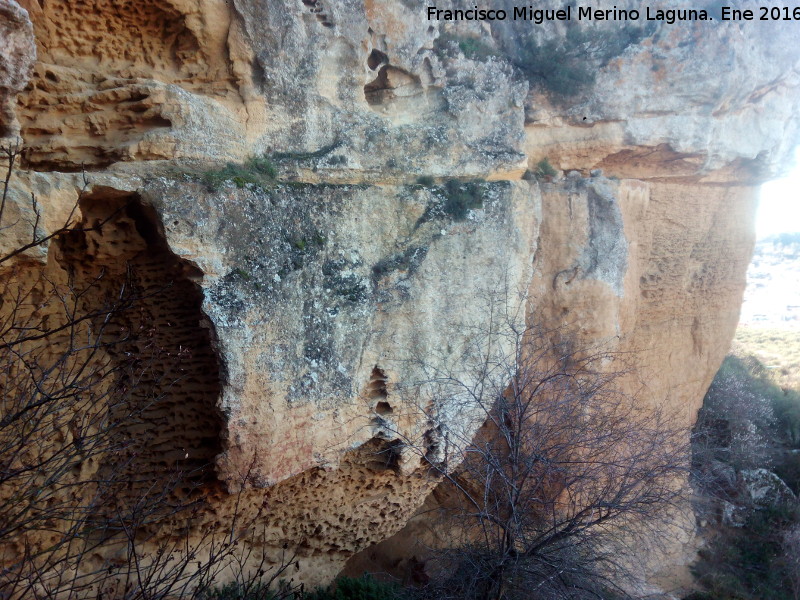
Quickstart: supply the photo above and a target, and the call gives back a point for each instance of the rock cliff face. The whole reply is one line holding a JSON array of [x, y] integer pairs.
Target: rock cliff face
[[298, 309]]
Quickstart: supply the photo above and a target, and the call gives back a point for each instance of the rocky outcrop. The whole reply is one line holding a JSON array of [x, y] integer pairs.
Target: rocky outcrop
[[300, 308], [349, 285], [136, 81], [763, 488], [756, 489]]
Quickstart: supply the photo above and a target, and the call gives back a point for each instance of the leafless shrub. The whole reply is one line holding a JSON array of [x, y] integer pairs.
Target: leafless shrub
[[569, 480], [735, 430]]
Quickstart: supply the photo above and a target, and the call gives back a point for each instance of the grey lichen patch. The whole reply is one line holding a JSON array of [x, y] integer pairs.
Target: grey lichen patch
[[341, 278], [407, 262], [304, 244], [296, 275], [309, 286], [605, 255], [449, 45]]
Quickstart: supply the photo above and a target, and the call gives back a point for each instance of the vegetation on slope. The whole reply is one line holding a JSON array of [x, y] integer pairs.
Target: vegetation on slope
[[748, 425]]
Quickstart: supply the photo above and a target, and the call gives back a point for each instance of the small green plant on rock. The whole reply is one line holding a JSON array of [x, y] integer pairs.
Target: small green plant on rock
[[544, 170], [461, 197], [256, 170], [565, 67], [362, 588], [471, 47]]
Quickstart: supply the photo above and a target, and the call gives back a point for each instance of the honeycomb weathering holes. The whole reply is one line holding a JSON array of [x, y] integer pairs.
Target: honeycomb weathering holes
[[376, 59], [377, 384], [97, 90], [126, 249]]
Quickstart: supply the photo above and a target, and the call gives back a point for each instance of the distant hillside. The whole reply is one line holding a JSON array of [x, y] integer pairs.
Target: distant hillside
[[773, 282], [769, 327]]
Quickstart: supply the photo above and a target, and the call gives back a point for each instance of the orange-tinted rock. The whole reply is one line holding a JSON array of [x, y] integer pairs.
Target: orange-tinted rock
[[303, 308]]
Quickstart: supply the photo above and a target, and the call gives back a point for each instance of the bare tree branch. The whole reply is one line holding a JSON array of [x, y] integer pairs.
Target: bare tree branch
[[567, 478]]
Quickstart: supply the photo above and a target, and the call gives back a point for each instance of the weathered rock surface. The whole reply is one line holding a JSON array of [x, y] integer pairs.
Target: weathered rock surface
[[318, 294], [306, 303], [757, 489], [16, 61], [763, 488]]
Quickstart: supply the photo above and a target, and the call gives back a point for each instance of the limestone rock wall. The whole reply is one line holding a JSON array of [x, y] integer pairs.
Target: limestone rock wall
[[316, 291], [131, 81], [299, 310]]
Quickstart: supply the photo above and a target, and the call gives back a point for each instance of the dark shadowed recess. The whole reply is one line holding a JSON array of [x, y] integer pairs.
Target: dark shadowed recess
[[162, 336]]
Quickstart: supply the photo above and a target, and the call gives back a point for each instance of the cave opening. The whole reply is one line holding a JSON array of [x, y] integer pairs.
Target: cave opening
[[118, 257]]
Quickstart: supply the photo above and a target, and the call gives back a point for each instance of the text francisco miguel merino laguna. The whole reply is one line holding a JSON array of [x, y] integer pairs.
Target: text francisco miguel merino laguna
[[568, 13]]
